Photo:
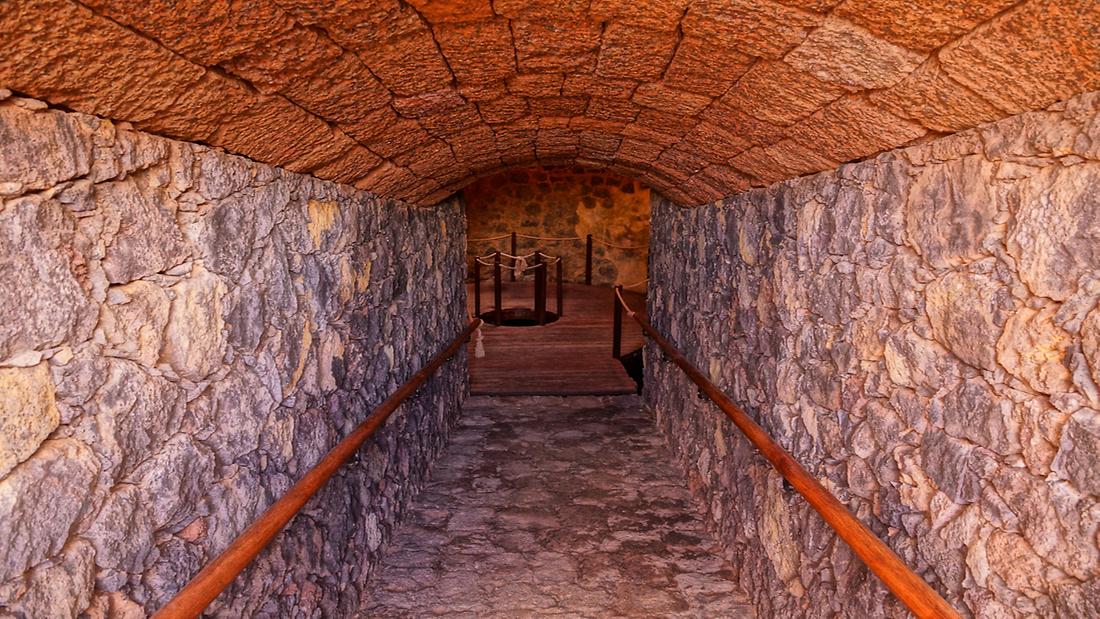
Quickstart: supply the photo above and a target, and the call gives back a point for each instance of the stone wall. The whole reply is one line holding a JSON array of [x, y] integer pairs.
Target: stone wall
[[183, 334], [556, 202], [699, 99], [921, 331]]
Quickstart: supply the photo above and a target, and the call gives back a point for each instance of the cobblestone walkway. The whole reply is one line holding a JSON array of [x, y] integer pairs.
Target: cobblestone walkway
[[555, 507]]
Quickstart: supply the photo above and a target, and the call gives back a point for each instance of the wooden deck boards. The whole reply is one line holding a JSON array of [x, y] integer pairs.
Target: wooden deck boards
[[571, 356]]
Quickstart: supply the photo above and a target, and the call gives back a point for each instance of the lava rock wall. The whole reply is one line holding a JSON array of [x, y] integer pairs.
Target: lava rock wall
[[183, 333], [564, 203], [922, 331]]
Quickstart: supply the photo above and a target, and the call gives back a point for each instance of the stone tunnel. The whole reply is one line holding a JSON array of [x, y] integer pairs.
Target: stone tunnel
[[230, 230]]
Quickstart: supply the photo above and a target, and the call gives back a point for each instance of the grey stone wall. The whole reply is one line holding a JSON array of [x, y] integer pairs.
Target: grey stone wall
[[182, 335], [921, 331]]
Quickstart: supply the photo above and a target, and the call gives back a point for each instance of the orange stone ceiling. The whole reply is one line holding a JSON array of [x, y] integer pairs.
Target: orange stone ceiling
[[414, 99]]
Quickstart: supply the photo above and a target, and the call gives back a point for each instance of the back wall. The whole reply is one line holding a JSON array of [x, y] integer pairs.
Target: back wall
[[557, 202]]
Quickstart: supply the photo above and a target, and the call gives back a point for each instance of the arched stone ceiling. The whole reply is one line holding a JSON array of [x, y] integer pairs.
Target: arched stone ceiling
[[413, 99]]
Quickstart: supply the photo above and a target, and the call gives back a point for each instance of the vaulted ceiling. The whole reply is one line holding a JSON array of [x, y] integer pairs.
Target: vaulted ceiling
[[414, 99]]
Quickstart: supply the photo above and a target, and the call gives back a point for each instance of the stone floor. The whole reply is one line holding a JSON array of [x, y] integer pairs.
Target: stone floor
[[547, 506]]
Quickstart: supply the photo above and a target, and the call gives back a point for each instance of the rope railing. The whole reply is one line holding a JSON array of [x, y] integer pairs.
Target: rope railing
[[548, 238], [910, 588], [530, 267], [197, 594], [588, 239], [624, 247], [557, 239], [541, 266], [488, 239], [641, 282]]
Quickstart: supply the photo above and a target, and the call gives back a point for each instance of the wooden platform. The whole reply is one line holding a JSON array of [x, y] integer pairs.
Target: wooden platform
[[571, 356]]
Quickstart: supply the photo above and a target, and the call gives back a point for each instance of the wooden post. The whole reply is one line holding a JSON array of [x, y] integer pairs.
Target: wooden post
[[617, 333], [477, 287], [588, 261], [540, 288], [497, 302], [515, 252], [561, 287]]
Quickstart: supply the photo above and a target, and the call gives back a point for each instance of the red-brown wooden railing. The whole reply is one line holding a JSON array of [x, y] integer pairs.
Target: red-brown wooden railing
[[910, 588], [197, 594]]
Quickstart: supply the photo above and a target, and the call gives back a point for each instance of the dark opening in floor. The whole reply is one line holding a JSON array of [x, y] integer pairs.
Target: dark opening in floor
[[635, 366], [517, 317]]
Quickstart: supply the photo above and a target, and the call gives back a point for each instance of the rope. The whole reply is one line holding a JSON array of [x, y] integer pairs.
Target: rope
[[626, 247], [622, 301], [559, 238], [523, 257], [549, 238], [637, 283], [545, 257], [479, 345], [519, 264], [509, 256]]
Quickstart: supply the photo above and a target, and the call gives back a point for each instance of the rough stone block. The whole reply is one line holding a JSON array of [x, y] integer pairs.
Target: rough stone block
[[776, 93], [58, 588], [929, 96], [962, 390], [1031, 56], [479, 52], [1056, 227], [1076, 461], [44, 303], [1033, 349], [668, 100], [40, 501], [629, 52], [651, 14], [950, 211], [133, 321], [967, 312], [28, 413], [974, 412], [706, 66], [194, 340], [844, 54], [851, 128], [50, 59], [437, 11], [755, 27], [920, 26], [556, 46], [40, 150]]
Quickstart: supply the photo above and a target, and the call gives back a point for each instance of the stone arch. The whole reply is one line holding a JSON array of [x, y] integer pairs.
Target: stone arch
[[413, 100]]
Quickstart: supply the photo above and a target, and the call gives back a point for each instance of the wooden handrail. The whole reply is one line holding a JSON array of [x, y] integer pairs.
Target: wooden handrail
[[921, 599], [219, 573]]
